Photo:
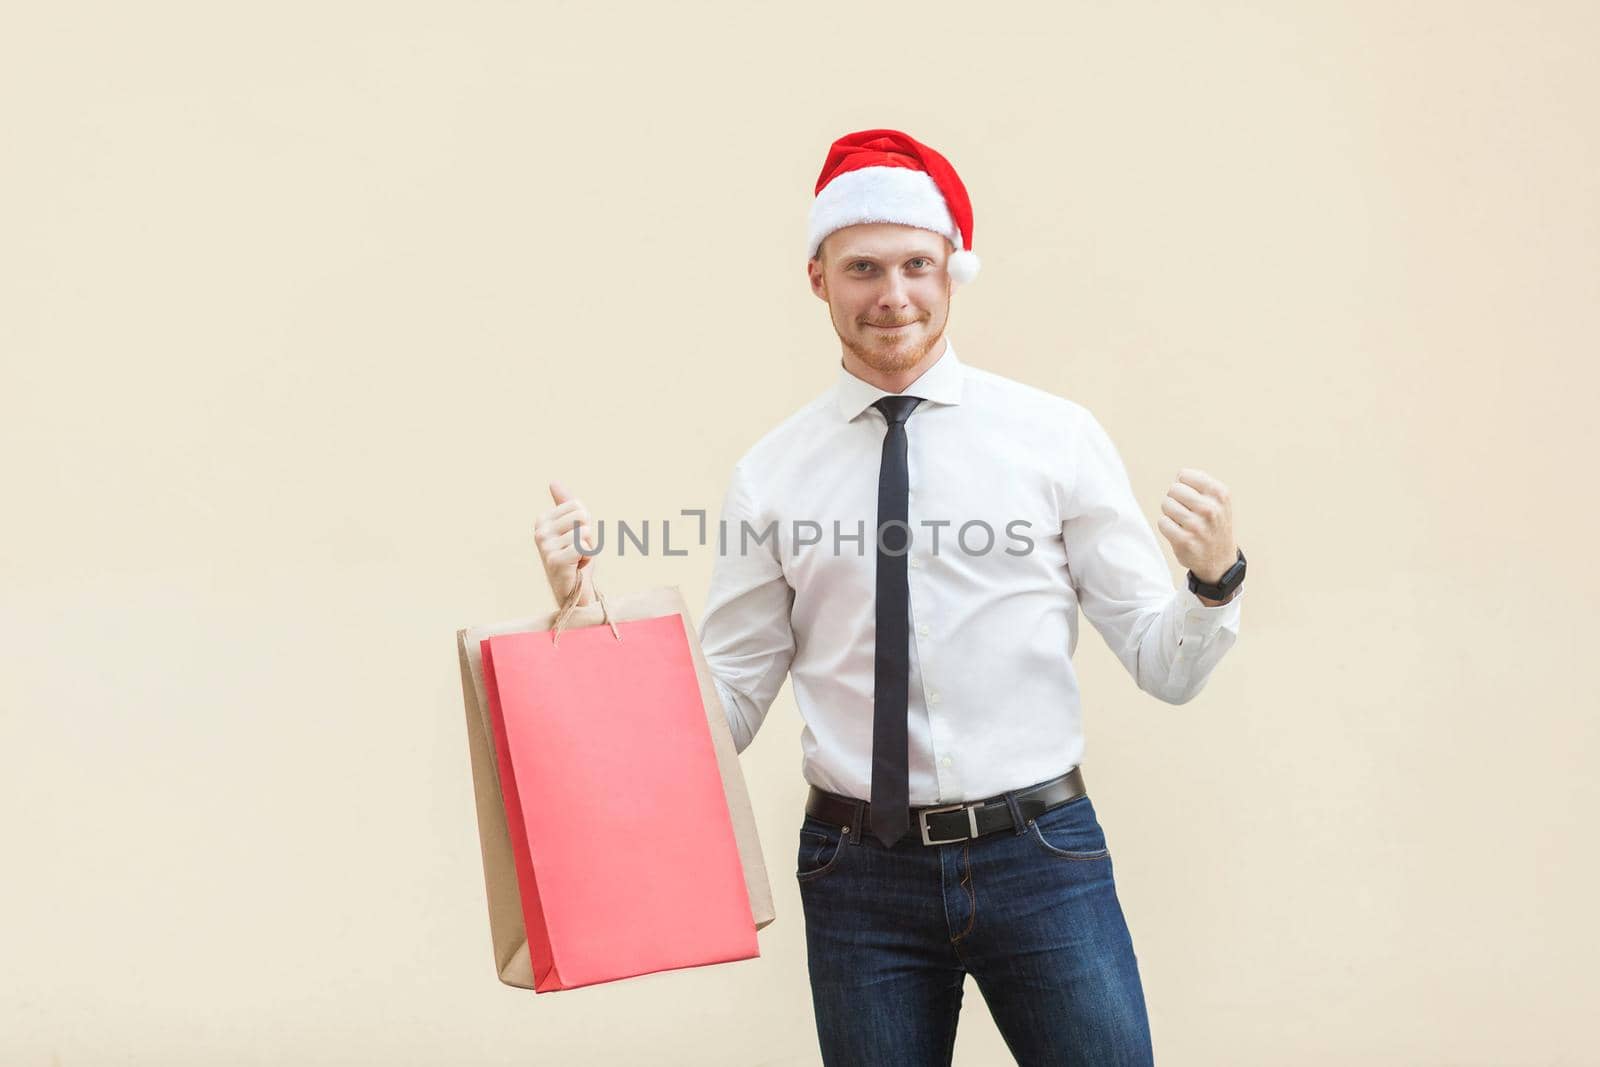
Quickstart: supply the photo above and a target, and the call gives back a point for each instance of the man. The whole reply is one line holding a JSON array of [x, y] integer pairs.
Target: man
[[912, 548]]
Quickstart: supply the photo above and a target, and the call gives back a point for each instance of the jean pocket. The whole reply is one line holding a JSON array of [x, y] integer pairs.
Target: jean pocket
[[1070, 831], [820, 846]]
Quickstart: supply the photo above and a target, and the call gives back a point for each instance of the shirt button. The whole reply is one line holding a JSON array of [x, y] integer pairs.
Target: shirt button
[[945, 762], [922, 631], [914, 563], [933, 698]]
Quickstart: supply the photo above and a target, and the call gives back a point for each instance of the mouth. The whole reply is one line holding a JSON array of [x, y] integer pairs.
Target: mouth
[[902, 326]]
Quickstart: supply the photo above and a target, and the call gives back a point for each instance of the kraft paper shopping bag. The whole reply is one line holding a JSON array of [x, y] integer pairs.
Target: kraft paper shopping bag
[[563, 708]]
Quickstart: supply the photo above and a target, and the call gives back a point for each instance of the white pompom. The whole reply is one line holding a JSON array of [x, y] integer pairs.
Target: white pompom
[[963, 266]]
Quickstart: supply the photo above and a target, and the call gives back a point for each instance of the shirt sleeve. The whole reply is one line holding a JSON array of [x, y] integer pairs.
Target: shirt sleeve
[[745, 632], [1167, 638]]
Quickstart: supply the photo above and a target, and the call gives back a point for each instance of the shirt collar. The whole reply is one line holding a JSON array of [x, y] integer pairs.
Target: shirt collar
[[940, 383]]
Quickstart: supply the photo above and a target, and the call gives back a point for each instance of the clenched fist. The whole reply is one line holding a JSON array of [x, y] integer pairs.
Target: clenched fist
[[556, 535], [1197, 517]]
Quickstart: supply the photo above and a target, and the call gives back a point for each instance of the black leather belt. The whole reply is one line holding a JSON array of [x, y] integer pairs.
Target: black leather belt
[[941, 824]]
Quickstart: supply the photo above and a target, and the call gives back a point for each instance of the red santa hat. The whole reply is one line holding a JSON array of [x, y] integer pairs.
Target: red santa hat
[[886, 176]]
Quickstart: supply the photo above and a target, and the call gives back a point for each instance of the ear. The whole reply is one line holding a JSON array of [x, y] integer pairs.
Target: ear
[[817, 279]]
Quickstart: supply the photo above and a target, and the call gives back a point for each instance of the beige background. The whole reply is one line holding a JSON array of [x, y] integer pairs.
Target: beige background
[[304, 304]]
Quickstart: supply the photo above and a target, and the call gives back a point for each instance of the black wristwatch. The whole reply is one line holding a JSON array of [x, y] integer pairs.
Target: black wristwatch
[[1223, 588]]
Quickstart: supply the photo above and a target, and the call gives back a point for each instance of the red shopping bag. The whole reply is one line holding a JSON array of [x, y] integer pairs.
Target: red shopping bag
[[624, 846]]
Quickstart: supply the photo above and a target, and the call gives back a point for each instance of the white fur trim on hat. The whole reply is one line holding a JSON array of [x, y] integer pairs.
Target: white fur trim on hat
[[880, 194]]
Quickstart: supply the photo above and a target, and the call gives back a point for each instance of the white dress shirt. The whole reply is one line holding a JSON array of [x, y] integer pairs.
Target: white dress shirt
[[994, 699]]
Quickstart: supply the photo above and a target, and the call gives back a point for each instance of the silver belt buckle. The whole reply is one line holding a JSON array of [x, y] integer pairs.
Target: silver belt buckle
[[972, 821]]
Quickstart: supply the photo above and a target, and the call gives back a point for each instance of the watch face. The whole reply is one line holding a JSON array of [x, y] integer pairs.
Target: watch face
[[1225, 585]]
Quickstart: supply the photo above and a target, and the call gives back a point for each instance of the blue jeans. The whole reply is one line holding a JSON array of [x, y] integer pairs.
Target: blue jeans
[[1031, 914]]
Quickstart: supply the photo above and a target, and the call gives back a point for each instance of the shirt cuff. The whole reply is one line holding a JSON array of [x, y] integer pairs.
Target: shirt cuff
[[1201, 620]]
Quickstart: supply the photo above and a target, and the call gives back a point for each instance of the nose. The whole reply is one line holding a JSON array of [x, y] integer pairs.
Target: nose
[[893, 296]]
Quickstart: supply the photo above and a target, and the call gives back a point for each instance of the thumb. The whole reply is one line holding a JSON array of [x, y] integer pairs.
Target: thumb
[[559, 494]]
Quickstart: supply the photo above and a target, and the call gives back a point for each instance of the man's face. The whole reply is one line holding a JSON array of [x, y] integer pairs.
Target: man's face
[[888, 291]]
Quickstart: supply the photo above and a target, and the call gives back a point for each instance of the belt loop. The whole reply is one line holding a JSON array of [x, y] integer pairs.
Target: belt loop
[[1017, 825], [856, 820]]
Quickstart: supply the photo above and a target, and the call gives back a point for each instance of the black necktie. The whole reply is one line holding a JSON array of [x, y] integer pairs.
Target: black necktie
[[890, 811]]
